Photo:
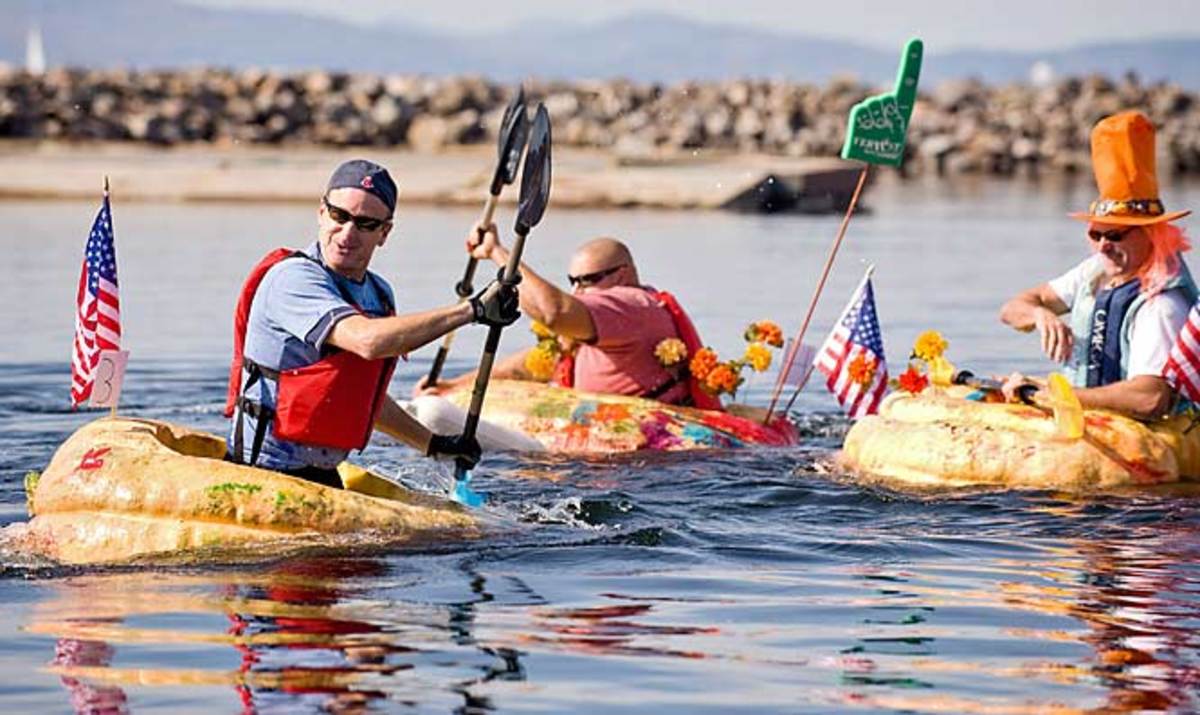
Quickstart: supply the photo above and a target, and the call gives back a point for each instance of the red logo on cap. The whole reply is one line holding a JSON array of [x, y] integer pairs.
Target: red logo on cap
[[366, 183]]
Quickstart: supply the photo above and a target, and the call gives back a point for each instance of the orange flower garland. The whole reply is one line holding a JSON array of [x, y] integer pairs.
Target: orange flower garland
[[715, 376]]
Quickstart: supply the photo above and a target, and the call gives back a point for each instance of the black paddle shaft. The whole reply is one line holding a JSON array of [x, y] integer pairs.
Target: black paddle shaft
[[514, 131], [535, 194], [966, 377], [492, 344]]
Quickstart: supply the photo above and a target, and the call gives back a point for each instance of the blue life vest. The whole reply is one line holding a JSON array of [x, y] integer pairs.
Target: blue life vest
[[1104, 339]]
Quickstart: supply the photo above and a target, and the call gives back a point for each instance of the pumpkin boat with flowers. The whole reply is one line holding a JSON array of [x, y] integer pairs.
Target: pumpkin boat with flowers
[[528, 415], [945, 427]]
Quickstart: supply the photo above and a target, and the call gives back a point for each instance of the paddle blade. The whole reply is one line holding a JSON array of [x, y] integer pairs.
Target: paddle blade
[[941, 372], [514, 130], [535, 178], [1068, 412], [464, 494]]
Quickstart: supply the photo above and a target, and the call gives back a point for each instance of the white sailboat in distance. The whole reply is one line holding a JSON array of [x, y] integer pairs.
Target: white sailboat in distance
[[35, 54]]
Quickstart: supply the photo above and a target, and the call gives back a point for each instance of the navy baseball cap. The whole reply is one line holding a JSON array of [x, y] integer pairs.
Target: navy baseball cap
[[368, 176]]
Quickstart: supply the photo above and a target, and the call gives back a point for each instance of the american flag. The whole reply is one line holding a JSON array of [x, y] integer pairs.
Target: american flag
[[98, 308], [1182, 370], [852, 356]]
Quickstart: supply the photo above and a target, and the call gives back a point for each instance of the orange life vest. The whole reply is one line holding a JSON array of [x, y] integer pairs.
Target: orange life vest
[[564, 370], [321, 404]]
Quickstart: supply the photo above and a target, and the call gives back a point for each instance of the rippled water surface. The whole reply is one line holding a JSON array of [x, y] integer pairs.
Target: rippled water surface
[[720, 583]]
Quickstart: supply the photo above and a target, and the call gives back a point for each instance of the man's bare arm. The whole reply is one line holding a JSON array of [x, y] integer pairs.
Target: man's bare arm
[[1040, 308], [398, 424], [1144, 397], [374, 338]]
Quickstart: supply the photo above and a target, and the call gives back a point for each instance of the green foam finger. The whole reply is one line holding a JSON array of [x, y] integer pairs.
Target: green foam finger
[[908, 75], [878, 125]]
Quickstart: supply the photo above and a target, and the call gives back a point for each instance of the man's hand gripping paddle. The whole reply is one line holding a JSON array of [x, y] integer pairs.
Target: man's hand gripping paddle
[[535, 193], [1058, 400], [514, 130], [875, 134]]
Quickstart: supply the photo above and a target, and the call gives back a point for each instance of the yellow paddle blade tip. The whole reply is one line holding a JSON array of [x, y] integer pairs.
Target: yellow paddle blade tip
[[1068, 413], [941, 371], [357, 479]]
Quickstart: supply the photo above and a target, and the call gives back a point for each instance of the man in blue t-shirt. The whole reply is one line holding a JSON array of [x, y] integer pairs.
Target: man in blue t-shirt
[[322, 335]]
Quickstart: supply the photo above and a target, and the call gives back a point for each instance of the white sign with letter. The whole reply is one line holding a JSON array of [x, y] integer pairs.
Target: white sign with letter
[[108, 375]]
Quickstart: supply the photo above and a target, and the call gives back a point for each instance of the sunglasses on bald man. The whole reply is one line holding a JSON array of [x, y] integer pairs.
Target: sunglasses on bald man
[[591, 279]]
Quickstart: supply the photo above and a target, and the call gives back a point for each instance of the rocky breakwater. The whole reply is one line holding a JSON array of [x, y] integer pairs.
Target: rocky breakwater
[[957, 127]]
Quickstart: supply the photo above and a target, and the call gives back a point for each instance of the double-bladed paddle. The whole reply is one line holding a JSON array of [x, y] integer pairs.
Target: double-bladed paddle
[[535, 193], [1061, 402], [514, 130]]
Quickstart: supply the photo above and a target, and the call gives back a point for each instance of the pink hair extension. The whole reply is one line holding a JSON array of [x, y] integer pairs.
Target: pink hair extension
[[1167, 242]]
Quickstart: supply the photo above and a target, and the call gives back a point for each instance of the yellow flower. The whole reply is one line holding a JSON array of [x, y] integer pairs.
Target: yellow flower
[[540, 330], [930, 345], [758, 356], [670, 351], [541, 360]]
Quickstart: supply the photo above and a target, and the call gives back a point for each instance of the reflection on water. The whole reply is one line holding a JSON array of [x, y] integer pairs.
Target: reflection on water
[[299, 634], [1081, 625]]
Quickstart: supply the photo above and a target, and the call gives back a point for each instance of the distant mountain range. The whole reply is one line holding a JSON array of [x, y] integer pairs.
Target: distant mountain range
[[644, 47]]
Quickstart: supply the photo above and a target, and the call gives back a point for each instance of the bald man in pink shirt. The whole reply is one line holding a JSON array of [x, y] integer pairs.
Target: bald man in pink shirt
[[614, 321]]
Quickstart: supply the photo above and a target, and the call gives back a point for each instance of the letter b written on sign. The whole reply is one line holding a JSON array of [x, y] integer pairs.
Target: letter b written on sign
[[107, 376]]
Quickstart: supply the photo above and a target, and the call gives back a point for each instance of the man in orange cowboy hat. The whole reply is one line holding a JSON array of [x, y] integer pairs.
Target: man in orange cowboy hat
[[1113, 319]]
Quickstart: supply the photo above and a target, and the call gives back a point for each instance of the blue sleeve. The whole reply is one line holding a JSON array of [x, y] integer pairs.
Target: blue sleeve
[[304, 302]]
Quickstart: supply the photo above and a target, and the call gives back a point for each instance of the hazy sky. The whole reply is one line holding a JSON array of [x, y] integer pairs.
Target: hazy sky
[[943, 24]]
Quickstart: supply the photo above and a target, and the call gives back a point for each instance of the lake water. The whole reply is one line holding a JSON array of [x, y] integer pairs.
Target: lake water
[[715, 583]]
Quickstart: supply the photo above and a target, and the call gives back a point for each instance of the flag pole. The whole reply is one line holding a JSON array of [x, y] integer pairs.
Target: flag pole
[[112, 413], [813, 365], [812, 304]]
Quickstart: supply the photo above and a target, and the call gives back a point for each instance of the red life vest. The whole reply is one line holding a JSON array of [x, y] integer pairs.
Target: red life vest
[[564, 370], [321, 404]]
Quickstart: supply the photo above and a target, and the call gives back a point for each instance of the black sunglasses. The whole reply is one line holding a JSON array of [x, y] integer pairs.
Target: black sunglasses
[[362, 223], [1113, 235], [591, 279]]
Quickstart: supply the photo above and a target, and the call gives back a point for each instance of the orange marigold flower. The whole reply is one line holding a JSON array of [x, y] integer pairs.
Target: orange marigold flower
[[758, 356], [722, 378], [862, 370], [702, 363], [764, 331], [913, 381]]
